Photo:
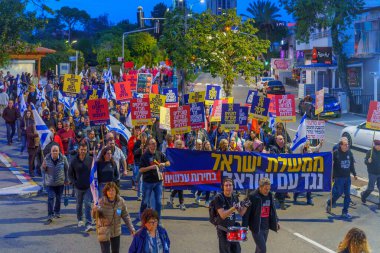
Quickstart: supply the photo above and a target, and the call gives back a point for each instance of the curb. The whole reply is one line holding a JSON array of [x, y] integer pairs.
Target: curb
[[373, 197], [341, 124], [27, 188]]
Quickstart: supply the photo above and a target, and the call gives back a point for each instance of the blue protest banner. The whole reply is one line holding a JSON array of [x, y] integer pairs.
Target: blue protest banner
[[197, 116], [249, 98], [287, 172], [230, 116], [171, 96], [260, 108], [94, 94], [243, 118], [212, 93]]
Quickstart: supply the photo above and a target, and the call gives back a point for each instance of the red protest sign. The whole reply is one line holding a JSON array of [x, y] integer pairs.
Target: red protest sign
[[131, 79], [285, 108], [155, 89], [128, 65], [98, 112], [373, 116], [140, 112], [272, 104], [180, 119], [122, 91]]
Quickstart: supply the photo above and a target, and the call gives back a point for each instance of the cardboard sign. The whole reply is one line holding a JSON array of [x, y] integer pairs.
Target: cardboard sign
[[155, 89], [243, 118], [122, 91], [212, 94], [197, 116], [171, 97], [128, 65], [131, 79], [230, 117], [71, 85], [228, 100], [249, 99], [373, 116], [94, 94], [198, 96], [272, 105], [315, 129], [319, 101], [156, 101], [144, 82], [140, 112], [285, 108], [260, 108], [165, 118], [180, 120], [98, 112], [216, 111]]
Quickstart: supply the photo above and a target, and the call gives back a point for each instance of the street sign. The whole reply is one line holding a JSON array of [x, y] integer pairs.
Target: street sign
[[108, 59], [120, 59], [72, 58]]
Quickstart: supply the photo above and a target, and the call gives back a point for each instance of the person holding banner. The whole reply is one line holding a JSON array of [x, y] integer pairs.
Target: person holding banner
[[372, 160], [343, 166], [261, 216], [152, 163]]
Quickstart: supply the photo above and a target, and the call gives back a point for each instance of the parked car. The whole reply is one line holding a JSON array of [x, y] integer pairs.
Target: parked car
[[275, 87], [260, 84], [331, 107], [360, 136]]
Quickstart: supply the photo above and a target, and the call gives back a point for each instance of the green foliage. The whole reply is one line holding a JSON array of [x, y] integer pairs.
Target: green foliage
[[70, 17], [225, 50], [337, 15], [15, 22]]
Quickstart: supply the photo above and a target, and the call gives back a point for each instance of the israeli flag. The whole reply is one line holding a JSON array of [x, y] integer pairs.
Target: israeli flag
[[272, 122], [42, 130], [41, 95], [113, 95], [73, 107], [106, 93], [128, 120], [19, 86], [94, 186], [23, 106], [118, 127], [300, 137], [61, 98]]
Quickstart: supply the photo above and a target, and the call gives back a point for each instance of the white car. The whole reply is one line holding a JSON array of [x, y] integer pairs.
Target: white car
[[262, 81], [360, 136]]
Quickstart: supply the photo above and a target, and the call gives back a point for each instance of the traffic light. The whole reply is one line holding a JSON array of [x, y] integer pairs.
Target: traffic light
[[157, 27], [140, 17]]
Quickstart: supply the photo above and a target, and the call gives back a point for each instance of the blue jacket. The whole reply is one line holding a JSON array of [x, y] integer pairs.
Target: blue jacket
[[140, 238]]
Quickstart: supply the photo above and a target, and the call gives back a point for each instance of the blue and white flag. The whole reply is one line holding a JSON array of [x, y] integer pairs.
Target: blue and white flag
[[106, 94], [61, 98], [113, 94], [272, 122], [42, 130], [23, 106], [128, 120], [73, 106], [41, 95], [19, 86], [94, 182], [300, 137], [118, 127]]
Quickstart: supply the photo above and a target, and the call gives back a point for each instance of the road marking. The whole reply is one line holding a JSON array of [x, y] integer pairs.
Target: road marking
[[314, 243]]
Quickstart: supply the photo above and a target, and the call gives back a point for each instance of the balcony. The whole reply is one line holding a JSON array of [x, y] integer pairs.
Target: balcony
[[319, 39]]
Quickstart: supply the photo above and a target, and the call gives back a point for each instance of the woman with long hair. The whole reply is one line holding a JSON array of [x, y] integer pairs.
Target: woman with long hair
[[106, 168], [108, 214], [355, 241], [26, 121]]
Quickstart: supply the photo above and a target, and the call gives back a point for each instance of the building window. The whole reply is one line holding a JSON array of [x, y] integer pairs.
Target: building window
[[354, 76]]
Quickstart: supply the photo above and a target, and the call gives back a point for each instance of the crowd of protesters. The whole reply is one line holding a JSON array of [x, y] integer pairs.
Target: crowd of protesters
[[74, 144]]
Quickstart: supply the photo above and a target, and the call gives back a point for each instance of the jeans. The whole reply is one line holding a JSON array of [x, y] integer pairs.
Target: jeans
[[10, 131], [148, 190], [199, 193], [260, 239], [113, 244], [23, 143], [226, 246], [180, 195], [135, 173], [372, 179], [84, 197], [54, 192], [18, 130], [341, 185]]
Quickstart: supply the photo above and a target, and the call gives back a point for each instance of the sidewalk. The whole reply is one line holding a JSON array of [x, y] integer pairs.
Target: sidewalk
[[347, 119], [13, 179]]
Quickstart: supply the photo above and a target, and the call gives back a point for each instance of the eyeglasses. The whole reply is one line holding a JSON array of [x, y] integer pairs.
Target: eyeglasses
[[153, 222]]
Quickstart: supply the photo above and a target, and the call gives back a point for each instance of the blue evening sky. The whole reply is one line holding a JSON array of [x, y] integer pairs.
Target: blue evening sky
[[126, 9]]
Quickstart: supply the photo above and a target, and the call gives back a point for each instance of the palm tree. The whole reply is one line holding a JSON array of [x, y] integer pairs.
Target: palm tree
[[265, 13]]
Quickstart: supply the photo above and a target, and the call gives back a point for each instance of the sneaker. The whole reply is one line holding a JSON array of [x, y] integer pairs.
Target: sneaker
[[362, 198], [310, 202], [182, 207], [49, 220], [328, 208], [207, 204], [139, 198], [198, 200], [89, 228], [171, 200], [57, 215], [80, 224], [346, 216]]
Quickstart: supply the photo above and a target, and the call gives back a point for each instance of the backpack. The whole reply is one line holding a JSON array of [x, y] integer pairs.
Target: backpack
[[214, 217]]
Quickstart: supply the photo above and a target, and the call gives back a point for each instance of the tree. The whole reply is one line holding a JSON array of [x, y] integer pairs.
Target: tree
[[15, 22], [141, 46], [265, 14], [334, 14], [71, 17], [227, 47]]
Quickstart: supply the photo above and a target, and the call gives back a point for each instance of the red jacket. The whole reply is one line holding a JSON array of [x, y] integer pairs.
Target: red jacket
[[58, 140], [65, 137], [131, 144]]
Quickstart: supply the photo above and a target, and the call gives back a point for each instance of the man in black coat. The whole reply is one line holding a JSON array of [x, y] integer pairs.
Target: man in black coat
[[372, 160], [261, 215]]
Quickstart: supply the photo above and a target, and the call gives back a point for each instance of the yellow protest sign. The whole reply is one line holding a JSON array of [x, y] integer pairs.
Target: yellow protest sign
[[156, 101], [71, 85], [165, 118], [198, 96]]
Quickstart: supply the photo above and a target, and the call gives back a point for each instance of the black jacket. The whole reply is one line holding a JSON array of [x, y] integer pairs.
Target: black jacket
[[252, 217], [374, 166], [79, 172], [343, 164]]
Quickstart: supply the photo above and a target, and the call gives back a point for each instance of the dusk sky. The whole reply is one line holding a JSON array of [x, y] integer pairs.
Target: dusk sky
[[119, 9]]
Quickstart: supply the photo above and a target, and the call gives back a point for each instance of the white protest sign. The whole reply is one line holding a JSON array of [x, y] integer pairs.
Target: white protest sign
[[315, 129]]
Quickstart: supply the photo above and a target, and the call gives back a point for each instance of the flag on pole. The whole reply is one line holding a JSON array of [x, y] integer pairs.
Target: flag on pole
[[19, 86], [23, 106], [42, 130], [128, 120], [94, 182], [118, 127], [272, 122], [73, 106], [106, 94], [41, 95], [300, 137]]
